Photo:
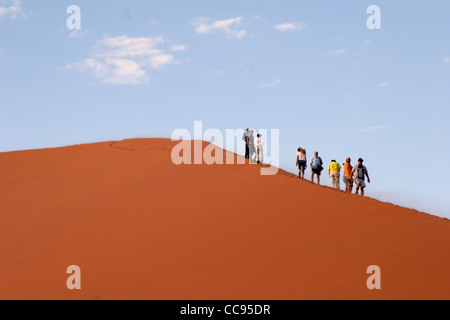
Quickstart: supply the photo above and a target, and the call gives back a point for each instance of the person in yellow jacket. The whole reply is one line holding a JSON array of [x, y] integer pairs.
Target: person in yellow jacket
[[334, 171]]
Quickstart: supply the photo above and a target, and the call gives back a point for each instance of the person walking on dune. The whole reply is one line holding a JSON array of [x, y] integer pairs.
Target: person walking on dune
[[245, 138], [348, 175], [259, 143], [334, 172], [301, 162], [251, 145], [316, 167], [360, 173]]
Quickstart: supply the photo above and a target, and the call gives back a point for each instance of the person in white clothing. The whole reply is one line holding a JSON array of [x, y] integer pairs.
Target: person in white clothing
[[259, 143], [301, 162]]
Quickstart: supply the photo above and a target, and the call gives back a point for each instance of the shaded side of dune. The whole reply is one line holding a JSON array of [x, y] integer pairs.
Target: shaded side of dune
[[141, 227]]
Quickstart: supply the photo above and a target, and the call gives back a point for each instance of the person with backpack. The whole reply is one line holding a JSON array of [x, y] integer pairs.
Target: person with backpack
[[245, 138], [301, 162], [334, 172], [348, 175], [316, 167], [360, 173]]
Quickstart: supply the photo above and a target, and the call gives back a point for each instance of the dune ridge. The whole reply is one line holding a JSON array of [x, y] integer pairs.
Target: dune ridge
[[141, 227]]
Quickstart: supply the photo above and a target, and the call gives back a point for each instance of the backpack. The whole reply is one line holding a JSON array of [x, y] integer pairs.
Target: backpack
[[320, 167], [360, 172]]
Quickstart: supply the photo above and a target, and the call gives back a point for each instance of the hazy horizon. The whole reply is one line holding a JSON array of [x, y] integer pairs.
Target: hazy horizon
[[417, 202]]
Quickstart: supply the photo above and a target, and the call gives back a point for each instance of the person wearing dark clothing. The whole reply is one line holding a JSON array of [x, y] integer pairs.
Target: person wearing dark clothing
[[316, 167], [245, 138]]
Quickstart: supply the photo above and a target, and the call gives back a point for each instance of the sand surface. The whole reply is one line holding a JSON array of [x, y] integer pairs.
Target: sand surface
[[141, 227]]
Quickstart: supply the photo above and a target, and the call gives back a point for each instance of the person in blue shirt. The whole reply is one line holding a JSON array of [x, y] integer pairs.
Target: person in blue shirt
[[316, 167]]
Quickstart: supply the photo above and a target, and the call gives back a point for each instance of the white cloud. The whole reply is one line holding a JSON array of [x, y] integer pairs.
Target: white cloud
[[124, 71], [125, 60], [290, 26], [179, 47], [271, 84], [153, 22], [11, 8], [383, 84], [446, 60], [335, 53], [368, 41], [229, 27], [373, 128], [124, 46], [160, 60]]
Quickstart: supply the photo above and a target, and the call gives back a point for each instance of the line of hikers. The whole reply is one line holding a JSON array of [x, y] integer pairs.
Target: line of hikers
[[253, 146], [352, 174]]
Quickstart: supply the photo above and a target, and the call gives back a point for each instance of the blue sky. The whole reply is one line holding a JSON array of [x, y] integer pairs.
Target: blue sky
[[309, 68]]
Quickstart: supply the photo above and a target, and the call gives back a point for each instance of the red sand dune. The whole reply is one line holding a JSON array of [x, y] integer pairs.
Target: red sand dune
[[140, 227]]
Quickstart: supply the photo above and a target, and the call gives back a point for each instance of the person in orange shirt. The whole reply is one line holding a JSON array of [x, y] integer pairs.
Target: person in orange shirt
[[348, 175]]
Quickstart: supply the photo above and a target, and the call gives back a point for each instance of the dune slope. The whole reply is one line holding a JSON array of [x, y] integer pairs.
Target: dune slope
[[141, 227]]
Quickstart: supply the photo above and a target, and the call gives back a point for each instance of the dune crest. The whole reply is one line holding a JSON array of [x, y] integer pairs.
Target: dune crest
[[140, 227]]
